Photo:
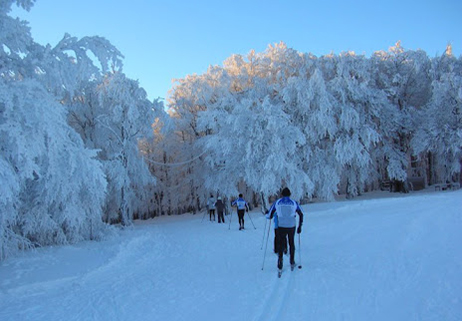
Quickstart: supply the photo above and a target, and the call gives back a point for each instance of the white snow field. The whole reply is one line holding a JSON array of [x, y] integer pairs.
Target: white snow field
[[393, 257]]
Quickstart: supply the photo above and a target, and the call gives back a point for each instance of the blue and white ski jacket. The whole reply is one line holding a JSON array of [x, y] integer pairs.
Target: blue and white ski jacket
[[285, 211], [211, 203], [241, 204]]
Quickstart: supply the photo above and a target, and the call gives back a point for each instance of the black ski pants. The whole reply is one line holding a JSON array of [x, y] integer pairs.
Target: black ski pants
[[212, 213], [284, 234], [221, 218], [276, 243], [240, 214]]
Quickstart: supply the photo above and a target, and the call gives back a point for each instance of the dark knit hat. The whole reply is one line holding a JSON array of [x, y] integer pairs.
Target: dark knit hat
[[285, 192]]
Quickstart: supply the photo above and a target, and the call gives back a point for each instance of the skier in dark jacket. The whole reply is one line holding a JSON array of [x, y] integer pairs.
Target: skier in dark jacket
[[242, 207], [286, 211], [220, 206]]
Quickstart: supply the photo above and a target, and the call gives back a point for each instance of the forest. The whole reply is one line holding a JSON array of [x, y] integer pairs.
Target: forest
[[83, 149]]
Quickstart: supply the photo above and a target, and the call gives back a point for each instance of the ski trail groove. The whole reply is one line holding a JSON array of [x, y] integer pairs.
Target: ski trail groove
[[277, 299]]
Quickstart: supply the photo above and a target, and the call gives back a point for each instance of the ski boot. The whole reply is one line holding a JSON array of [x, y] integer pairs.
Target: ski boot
[[292, 266]]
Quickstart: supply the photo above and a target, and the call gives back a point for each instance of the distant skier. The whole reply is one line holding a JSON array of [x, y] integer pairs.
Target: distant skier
[[242, 207], [220, 210], [211, 207], [285, 210]]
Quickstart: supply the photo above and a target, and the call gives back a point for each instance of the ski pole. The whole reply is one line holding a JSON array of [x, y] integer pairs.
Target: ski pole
[[264, 230], [230, 217], [248, 213], [266, 247], [299, 253]]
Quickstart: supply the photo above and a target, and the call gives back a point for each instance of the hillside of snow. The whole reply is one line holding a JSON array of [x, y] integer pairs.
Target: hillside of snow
[[391, 257]]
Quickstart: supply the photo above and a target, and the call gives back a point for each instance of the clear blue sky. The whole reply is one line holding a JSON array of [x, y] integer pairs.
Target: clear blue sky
[[163, 40]]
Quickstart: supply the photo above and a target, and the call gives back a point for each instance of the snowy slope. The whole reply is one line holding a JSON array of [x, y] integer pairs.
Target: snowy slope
[[392, 258]]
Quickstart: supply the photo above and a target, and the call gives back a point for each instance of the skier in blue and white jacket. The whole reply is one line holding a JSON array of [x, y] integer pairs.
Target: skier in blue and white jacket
[[285, 210], [242, 207]]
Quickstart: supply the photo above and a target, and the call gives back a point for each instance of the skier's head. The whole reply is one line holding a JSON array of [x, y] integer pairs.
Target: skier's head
[[219, 198], [285, 192], [240, 195]]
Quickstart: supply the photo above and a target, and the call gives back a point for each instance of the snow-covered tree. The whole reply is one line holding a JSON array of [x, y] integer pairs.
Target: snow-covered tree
[[403, 75], [252, 141], [357, 133], [252, 137], [314, 113], [439, 125], [58, 188], [54, 185], [112, 117], [180, 166]]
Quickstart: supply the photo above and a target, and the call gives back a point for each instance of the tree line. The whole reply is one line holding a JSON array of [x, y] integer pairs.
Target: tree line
[[329, 125]]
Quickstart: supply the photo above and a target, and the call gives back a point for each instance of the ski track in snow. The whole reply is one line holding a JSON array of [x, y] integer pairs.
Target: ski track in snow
[[383, 259], [278, 298]]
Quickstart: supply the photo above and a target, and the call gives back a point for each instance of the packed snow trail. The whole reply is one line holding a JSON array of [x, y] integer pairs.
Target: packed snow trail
[[277, 297], [393, 258]]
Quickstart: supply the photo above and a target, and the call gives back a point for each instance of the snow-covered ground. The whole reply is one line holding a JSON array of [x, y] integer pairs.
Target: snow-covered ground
[[395, 257]]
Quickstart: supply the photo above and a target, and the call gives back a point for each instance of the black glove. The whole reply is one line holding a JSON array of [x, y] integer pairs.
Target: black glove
[[299, 230]]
